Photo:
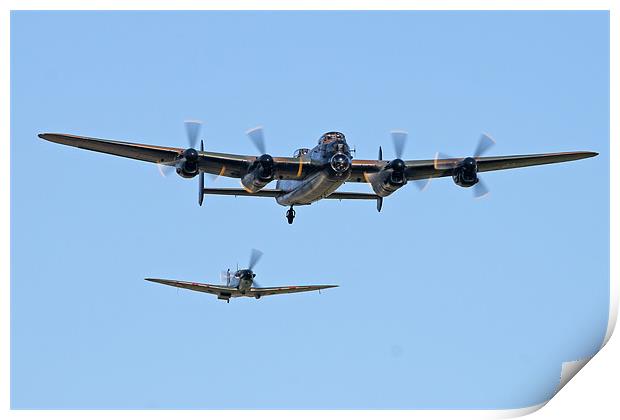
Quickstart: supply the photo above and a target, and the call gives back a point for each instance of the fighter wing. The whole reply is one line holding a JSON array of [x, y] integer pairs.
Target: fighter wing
[[431, 168], [198, 287], [265, 291], [223, 164]]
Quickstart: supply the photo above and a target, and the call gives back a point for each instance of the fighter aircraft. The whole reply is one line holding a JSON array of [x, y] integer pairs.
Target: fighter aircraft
[[240, 284], [317, 173]]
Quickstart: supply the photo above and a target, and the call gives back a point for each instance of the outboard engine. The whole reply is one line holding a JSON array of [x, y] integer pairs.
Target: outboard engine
[[187, 167], [466, 173], [260, 173]]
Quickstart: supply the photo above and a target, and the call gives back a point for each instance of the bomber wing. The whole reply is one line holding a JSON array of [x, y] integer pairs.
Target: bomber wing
[[437, 168], [223, 164]]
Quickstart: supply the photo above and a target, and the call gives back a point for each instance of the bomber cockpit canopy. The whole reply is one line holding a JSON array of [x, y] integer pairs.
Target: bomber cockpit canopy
[[300, 152], [331, 137]]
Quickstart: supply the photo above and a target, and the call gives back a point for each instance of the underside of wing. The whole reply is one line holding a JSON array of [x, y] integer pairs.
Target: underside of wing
[[214, 163], [520, 161], [222, 164], [437, 168], [198, 287], [265, 291], [444, 167], [360, 169], [236, 166], [137, 151]]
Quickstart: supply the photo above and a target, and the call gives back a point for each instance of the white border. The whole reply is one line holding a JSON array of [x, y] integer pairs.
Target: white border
[[569, 369]]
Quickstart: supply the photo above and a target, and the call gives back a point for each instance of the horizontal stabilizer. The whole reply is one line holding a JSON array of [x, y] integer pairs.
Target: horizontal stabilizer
[[351, 196], [241, 192], [277, 192]]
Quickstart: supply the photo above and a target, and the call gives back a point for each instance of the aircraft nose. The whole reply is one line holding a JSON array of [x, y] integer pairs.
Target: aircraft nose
[[341, 146], [340, 162]]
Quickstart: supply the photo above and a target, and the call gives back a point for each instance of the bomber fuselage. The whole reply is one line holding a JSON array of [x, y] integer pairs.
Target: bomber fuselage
[[332, 157]]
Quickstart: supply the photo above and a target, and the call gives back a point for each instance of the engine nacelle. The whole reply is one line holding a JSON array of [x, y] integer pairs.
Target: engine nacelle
[[391, 178], [260, 173], [466, 174], [187, 166]]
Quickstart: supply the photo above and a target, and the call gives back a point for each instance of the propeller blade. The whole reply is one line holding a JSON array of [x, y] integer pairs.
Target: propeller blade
[[422, 184], [164, 170], [225, 277], [255, 256], [484, 144], [380, 153], [258, 138], [443, 161], [399, 139], [192, 127], [255, 283], [480, 189]]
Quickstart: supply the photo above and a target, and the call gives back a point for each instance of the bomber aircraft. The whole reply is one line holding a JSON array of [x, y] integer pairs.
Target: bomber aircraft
[[241, 283], [315, 174]]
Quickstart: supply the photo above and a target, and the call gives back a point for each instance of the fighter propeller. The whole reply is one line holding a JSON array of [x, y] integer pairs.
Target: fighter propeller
[[255, 257]]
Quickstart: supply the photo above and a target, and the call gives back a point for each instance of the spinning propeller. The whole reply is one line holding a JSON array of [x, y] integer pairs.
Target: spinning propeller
[[255, 257], [265, 160], [188, 160], [192, 130], [469, 164], [257, 135], [399, 141]]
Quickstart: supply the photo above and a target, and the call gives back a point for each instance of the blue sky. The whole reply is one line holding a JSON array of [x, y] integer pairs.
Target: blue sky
[[445, 301]]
